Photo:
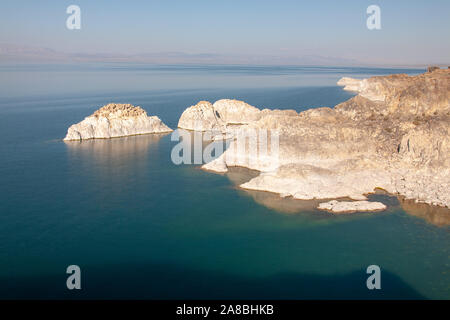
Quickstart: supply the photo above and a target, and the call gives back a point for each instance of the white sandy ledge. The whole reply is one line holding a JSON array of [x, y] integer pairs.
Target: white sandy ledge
[[351, 206], [327, 186]]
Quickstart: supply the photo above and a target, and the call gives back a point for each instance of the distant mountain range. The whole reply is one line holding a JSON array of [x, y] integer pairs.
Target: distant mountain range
[[26, 54], [18, 54]]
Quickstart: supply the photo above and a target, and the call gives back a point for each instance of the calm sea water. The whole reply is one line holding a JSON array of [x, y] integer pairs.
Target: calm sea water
[[141, 227]]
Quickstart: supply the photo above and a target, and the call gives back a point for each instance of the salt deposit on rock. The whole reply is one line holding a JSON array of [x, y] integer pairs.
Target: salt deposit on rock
[[223, 113], [116, 120], [351, 206], [394, 135]]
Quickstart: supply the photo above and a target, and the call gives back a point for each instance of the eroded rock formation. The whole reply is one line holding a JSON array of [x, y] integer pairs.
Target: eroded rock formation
[[116, 120], [393, 135], [218, 117]]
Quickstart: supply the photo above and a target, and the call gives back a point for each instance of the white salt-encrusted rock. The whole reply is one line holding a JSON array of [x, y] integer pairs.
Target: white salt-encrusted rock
[[116, 120], [350, 84], [224, 113], [351, 206], [201, 117], [233, 112], [394, 135]]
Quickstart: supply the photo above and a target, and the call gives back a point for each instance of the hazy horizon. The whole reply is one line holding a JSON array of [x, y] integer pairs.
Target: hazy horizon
[[412, 33]]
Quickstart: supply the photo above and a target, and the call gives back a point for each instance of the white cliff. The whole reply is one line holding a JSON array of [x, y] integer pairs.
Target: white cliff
[[116, 120], [394, 135]]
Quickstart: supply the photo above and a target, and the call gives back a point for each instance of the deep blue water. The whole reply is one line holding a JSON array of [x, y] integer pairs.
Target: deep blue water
[[140, 226]]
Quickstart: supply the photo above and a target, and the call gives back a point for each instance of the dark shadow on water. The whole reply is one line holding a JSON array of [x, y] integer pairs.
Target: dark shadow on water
[[174, 282]]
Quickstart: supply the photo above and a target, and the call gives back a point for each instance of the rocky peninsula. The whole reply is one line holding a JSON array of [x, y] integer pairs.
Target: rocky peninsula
[[394, 135], [116, 120]]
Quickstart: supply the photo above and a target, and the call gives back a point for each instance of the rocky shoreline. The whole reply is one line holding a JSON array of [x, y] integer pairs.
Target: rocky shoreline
[[393, 135]]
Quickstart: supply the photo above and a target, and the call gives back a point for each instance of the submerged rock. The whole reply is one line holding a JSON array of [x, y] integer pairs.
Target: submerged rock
[[394, 135], [116, 120]]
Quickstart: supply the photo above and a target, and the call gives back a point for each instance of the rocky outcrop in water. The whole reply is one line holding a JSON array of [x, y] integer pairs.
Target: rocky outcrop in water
[[393, 135], [219, 116], [116, 120], [351, 206]]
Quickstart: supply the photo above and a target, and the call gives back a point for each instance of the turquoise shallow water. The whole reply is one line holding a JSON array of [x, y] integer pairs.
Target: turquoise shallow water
[[141, 227]]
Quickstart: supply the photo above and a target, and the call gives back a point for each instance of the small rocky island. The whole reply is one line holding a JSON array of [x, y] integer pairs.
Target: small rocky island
[[394, 135], [116, 120]]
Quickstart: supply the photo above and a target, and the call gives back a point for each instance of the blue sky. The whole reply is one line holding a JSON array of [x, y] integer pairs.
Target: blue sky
[[413, 32]]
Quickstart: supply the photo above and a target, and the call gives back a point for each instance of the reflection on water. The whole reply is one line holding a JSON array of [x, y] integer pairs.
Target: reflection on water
[[435, 215], [438, 216], [119, 161], [115, 152], [112, 166]]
